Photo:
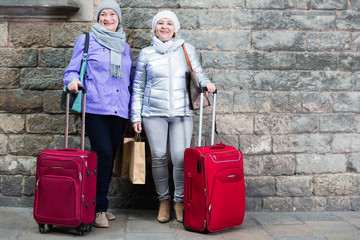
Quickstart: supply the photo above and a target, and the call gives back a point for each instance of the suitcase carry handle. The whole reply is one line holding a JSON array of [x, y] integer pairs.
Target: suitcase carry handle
[[66, 137], [204, 89]]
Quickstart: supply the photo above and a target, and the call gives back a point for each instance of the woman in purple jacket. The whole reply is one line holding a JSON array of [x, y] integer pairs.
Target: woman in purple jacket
[[108, 78]]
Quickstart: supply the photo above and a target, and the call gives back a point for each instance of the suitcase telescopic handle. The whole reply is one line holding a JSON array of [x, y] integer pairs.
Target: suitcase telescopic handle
[[204, 89], [66, 137]]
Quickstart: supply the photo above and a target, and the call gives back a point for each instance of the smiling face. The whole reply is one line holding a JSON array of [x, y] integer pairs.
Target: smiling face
[[165, 29], [109, 19]]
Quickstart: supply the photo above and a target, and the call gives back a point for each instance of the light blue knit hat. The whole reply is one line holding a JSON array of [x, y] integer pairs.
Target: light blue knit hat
[[108, 4]]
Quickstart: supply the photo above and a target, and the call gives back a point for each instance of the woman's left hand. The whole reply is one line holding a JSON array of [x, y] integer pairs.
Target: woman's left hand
[[210, 88]]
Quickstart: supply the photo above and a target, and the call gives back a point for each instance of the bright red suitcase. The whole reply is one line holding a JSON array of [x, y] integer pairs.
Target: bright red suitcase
[[65, 190], [214, 187]]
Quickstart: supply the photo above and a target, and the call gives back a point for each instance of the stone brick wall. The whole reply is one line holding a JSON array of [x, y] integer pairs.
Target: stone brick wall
[[287, 72]]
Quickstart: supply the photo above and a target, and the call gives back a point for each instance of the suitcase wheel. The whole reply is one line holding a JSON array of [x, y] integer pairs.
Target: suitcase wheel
[[80, 230], [41, 228], [50, 227], [88, 228]]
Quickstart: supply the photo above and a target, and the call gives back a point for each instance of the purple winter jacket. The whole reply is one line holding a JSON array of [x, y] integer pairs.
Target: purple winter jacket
[[106, 95]]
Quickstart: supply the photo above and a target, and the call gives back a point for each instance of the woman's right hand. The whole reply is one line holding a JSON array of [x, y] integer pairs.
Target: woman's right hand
[[137, 127], [73, 85]]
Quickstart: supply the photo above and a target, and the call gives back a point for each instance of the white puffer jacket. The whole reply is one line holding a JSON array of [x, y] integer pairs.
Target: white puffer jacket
[[159, 87]]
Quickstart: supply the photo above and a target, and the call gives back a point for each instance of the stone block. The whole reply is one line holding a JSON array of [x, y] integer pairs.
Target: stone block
[[330, 4], [18, 57], [249, 60], [201, 40], [316, 61], [46, 123], [253, 144], [294, 186], [3, 144], [253, 102], [278, 204], [140, 38], [42, 78], [253, 165], [355, 5], [11, 123], [218, 59], [349, 61], [279, 41], [9, 78], [307, 143], [277, 165], [283, 102], [233, 80], [29, 186], [336, 185], [337, 122], [256, 19], [229, 3], [279, 61], [304, 4], [319, 164], [233, 40], [20, 101], [214, 18], [339, 80], [313, 20], [286, 81], [260, 186], [234, 124], [270, 4], [272, 124], [29, 34], [345, 143], [17, 165], [348, 20], [224, 103], [51, 101], [338, 203], [188, 19], [10, 201], [29, 145], [346, 102], [196, 4], [11, 185], [353, 164], [4, 34], [336, 41], [310, 204], [138, 18], [356, 41], [154, 4], [52, 58], [64, 35], [68, 55], [355, 203], [253, 204]]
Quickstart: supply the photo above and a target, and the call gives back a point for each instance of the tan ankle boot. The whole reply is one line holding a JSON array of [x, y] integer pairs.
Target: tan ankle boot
[[179, 207], [164, 211]]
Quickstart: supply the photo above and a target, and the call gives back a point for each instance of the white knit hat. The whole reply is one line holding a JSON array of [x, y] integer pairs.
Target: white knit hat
[[166, 14], [108, 4]]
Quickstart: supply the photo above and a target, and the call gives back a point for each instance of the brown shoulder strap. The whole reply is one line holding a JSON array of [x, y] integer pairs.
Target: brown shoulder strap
[[187, 57]]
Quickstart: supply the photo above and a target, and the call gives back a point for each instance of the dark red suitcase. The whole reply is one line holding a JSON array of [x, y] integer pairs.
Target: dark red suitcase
[[214, 187], [65, 190]]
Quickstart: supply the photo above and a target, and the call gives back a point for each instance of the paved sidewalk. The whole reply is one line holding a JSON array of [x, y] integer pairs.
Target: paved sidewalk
[[18, 223]]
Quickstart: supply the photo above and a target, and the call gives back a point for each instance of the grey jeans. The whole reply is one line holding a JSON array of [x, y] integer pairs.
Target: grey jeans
[[168, 138]]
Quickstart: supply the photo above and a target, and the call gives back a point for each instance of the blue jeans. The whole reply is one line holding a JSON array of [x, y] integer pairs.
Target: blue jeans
[[105, 134], [168, 138]]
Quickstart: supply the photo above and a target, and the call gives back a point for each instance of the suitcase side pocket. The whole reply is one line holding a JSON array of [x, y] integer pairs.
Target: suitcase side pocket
[[226, 208], [57, 201]]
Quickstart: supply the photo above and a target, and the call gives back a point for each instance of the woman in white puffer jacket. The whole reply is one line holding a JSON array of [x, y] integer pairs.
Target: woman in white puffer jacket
[[161, 104]]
